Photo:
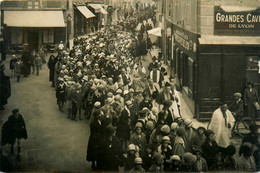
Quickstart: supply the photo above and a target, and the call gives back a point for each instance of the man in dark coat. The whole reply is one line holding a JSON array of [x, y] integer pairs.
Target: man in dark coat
[[210, 149], [250, 98], [51, 65], [5, 88], [123, 128], [14, 128], [95, 139], [26, 57], [110, 152], [237, 108]]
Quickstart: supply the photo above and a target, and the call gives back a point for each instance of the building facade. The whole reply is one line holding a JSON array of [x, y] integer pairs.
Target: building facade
[[47, 22], [34, 23], [213, 48]]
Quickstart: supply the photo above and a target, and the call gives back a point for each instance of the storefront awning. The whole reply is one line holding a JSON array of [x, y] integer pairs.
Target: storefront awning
[[229, 40], [98, 8], [155, 31], [86, 12], [34, 18]]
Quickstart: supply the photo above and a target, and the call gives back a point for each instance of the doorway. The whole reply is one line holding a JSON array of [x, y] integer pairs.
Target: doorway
[[33, 40]]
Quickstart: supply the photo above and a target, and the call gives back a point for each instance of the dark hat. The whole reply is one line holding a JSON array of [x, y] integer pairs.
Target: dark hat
[[167, 102], [231, 150], [167, 84], [15, 110], [208, 133], [250, 83], [181, 131], [201, 128], [197, 149], [161, 114]]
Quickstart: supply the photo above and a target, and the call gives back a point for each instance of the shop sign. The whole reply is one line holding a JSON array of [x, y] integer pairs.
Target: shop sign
[[236, 23], [186, 40]]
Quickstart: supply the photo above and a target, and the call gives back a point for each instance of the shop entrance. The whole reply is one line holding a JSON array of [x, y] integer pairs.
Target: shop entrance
[[33, 40], [253, 70]]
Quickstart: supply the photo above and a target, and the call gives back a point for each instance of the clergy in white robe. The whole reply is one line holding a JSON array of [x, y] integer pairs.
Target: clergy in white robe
[[221, 123]]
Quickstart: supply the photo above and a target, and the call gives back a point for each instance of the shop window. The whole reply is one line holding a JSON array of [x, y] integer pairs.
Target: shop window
[[48, 36], [17, 36], [253, 69]]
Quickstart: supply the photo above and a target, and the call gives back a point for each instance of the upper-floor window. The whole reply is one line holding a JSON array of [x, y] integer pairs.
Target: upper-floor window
[[14, 4], [170, 10], [53, 4], [33, 5]]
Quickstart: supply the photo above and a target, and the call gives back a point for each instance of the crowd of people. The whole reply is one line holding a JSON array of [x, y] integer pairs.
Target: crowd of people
[[134, 112]]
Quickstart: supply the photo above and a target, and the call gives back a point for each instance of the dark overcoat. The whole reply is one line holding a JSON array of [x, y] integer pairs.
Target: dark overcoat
[[51, 65]]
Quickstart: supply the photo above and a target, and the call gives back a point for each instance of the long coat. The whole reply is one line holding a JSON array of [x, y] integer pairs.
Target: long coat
[[60, 92], [51, 65], [209, 152], [12, 129], [123, 128], [219, 125], [26, 57], [111, 154], [179, 146], [250, 97], [95, 139], [5, 88]]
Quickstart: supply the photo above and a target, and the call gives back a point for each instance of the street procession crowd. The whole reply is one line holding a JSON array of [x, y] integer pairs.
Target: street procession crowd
[[133, 111]]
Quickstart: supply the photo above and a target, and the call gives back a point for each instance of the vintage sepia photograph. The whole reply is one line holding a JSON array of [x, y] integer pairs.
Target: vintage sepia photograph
[[130, 86]]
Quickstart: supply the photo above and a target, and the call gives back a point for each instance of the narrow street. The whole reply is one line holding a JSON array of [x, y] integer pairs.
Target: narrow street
[[54, 142]]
